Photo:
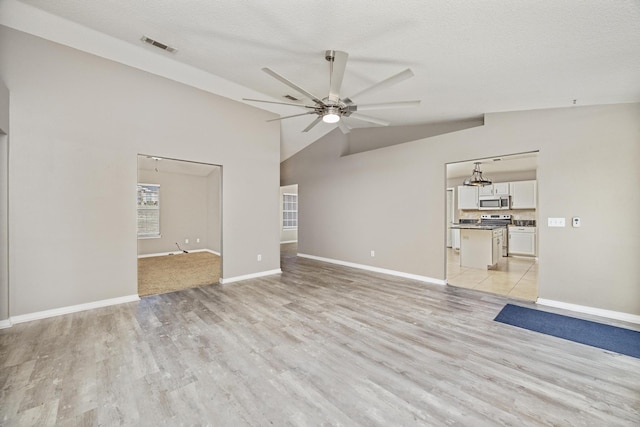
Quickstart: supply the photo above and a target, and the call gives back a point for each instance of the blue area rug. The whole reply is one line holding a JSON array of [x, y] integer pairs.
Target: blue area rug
[[613, 338]]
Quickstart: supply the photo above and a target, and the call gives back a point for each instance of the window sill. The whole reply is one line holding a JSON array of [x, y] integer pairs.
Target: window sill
[[149, 237]]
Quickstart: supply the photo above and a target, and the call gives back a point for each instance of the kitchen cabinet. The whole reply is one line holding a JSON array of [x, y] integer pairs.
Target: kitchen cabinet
[[480, 248], [495, 189], [487, 190], [501, 189], [455, 238], [467, 197], [522, 240], [523, 194]]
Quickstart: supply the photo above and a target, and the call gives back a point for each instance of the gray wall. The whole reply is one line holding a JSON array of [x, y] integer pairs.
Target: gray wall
[[78, 123], [185, 211], [4, 200], [392, 200], [366, 139]]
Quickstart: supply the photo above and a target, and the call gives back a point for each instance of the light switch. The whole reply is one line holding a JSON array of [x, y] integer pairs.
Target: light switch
[[555, 222], [575, 221]]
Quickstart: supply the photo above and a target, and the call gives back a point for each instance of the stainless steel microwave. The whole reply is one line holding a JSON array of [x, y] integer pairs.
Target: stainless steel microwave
[[493, 202]]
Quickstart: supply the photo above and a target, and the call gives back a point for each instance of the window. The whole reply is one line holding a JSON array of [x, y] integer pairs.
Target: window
[[148, 210], [289, 210]]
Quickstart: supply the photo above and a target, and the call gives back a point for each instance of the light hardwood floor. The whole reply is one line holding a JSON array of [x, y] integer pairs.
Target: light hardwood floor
[[516, 277], [318, 345]]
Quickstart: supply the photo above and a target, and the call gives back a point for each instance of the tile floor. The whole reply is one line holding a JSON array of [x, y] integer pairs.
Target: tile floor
[[516, 277]]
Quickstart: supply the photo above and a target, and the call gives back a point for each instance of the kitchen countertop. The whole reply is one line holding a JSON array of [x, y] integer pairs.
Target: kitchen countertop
[[477, 226]]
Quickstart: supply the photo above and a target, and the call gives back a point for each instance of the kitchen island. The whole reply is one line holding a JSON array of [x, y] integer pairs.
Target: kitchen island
[[480, 245]]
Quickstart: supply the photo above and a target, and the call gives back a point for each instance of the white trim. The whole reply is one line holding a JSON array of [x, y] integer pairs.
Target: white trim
[[6, 323], [178, 253], [377, 269], [617, 315], [159, 254], [289, 241], [249, 276], [207, 250], [73, 309]]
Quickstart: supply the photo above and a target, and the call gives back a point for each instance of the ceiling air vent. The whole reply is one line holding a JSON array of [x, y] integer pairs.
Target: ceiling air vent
[[162, 46], [291, 98]]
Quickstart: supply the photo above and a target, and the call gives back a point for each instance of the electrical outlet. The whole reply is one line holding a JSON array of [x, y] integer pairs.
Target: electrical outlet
[[373, 253], [186, 241], [198, 240], [575, 221], [259, 257]]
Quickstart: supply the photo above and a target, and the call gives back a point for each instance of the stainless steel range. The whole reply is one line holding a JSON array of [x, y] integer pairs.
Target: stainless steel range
[[500, 220]]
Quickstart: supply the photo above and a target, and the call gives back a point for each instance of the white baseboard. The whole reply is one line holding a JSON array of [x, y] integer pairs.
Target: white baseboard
[[6, 323], [377, 269], [178, 253], [289, 241], [159, 254], [72, 309], [207, 250], [610, 314], [249, 276]]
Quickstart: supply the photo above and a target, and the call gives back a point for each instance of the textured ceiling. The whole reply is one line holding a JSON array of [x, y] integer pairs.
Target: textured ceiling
[[469, 57]]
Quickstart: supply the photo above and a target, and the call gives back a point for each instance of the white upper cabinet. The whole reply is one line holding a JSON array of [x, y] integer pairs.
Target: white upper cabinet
[[496, 189], [467, 197], [523, 194], [501, 189], [487, 190]]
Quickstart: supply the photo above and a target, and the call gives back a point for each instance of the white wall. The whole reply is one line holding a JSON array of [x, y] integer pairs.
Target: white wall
[[78, 123], [4, 202], [352, 204], [287, 235], [185, 211]]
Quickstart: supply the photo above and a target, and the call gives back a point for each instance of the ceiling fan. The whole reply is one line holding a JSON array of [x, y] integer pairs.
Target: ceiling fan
[[332, 108]]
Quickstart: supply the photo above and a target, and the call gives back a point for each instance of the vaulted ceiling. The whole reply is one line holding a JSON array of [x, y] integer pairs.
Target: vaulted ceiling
[[469, 57]]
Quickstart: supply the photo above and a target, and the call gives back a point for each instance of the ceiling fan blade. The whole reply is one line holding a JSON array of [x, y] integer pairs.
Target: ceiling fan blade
[[280, 103], [288, 117], [337, 63], [369, 119], [383, 105], [312, 124], [396, 78], [292, 85], [343, 127]]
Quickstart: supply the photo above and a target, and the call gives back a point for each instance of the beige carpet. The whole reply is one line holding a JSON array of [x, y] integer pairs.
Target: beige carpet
[[168, 273]]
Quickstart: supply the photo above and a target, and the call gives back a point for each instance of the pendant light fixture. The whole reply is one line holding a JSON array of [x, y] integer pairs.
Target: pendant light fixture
[[476, 179]]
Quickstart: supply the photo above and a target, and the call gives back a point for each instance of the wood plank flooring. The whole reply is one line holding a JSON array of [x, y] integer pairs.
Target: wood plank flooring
[[318, 345]]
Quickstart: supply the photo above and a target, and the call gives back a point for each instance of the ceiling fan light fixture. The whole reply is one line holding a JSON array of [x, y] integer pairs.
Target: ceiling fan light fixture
[[331, 108], [332, 115], [476, 179]]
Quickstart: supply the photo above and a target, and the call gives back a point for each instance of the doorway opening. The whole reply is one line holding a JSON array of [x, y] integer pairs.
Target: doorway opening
[[4, 230], [288, 222], [491, 242], [179, 224]]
